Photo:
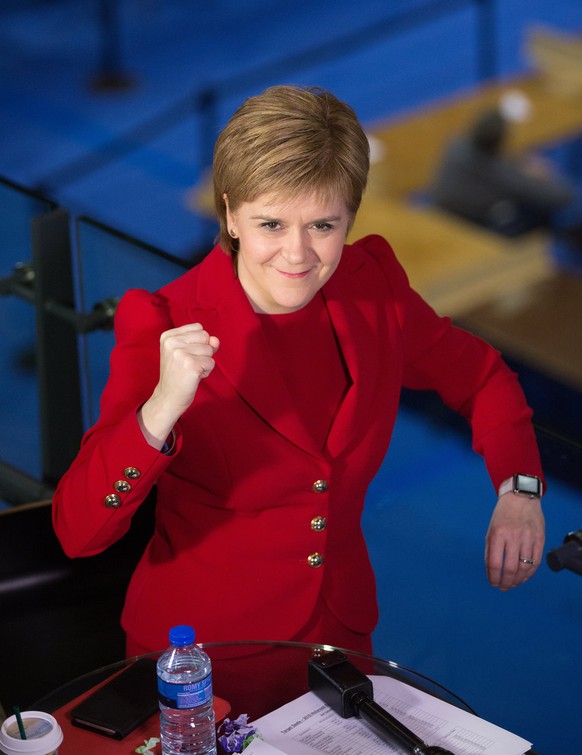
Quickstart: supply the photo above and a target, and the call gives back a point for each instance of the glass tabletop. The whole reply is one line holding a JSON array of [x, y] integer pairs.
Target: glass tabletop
[[250, 677], [256, 677]]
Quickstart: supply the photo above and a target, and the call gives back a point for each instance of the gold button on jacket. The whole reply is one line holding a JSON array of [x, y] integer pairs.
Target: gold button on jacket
[[318, 523], [315, 560], [132, 473], [122, 486], [319, 486], [112, 501]]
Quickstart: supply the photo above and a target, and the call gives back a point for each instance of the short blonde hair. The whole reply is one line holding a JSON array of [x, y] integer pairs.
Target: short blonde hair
[[290, 141]]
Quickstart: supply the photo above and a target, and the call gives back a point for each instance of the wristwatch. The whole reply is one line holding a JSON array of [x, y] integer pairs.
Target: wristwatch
[[524, 484]]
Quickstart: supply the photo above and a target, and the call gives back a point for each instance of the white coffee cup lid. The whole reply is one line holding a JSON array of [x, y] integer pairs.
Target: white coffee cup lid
[[44, 735]]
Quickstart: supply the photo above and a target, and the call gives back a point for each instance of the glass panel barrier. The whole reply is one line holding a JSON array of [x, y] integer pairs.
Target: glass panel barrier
[[20, 438], [108, 264]]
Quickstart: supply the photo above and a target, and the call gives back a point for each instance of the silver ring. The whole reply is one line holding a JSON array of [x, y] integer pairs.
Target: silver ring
[[529, 561]]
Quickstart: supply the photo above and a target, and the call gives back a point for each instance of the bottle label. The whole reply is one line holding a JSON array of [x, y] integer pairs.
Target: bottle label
[[182, 696]]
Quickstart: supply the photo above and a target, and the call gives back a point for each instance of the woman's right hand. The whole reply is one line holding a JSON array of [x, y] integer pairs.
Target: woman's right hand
[[186, 358]]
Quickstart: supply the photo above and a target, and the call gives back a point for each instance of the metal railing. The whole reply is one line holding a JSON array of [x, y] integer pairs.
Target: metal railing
[[204, 102]]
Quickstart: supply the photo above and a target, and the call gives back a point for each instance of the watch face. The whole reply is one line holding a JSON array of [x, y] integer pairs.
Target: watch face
[[527, 484]]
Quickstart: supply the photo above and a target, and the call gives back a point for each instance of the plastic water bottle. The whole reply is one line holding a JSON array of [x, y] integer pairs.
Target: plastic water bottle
[[185, 697]]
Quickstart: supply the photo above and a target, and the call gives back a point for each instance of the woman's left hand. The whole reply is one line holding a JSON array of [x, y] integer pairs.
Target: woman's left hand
[[515, 540]]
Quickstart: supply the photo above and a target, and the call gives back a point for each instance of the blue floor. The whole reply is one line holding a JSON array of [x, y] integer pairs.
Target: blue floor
[[129, 159], [514, 657]]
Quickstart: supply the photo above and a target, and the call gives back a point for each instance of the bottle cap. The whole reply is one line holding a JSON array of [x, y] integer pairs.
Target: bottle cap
[[182, 635]]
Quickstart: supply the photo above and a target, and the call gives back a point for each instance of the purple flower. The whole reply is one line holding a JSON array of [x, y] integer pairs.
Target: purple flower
[[233, 735]]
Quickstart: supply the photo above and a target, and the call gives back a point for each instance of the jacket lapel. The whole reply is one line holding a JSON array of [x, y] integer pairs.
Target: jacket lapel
[[355, 321], [245, 361], [243, 356]]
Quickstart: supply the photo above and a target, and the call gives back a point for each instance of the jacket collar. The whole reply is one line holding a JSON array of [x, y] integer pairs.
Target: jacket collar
[[244, 359]]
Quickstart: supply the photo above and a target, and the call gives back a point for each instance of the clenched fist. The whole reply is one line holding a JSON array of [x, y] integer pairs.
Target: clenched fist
[[186, 358]]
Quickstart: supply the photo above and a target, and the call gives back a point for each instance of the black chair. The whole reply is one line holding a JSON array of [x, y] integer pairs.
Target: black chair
[[59, 617]]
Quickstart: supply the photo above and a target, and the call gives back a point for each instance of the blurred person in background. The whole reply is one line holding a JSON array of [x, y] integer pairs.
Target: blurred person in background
[[479, 181]]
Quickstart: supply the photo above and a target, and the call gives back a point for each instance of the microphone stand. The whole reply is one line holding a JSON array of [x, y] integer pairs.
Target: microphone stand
[[388, 727], [350, 693]]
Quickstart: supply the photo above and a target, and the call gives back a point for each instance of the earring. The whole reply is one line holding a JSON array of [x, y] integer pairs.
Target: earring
[[233, 233]]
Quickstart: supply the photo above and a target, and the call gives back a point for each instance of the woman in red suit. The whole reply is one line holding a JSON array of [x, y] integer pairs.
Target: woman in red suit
[[259, 392]]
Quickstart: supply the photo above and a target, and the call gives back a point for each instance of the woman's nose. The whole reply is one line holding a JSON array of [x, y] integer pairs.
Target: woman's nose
[[297, 246]]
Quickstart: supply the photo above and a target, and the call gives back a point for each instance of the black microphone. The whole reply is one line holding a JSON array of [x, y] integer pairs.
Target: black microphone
[[569, 555], [349, 692]]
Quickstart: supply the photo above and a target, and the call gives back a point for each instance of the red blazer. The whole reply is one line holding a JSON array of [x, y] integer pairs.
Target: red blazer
[[237, 498]]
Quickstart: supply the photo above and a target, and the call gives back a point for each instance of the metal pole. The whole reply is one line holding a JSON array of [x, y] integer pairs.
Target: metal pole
[[61, 419], [111, 75], [486, 43]]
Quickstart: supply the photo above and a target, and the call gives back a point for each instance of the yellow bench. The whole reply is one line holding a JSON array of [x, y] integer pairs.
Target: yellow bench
[[558, 57], [453, 264]]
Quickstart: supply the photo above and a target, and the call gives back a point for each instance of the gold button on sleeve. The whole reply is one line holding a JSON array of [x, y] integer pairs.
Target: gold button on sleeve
[[122, 486], [112, 501], [131, 473], [319, 486]]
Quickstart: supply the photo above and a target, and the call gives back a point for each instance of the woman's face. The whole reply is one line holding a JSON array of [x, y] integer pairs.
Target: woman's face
[[287, 249]]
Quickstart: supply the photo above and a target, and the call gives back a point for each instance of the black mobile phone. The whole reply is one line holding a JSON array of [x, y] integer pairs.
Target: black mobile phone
[[122, 704]]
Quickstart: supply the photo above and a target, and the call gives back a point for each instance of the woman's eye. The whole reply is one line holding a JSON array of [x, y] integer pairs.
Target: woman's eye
[[270, 225], [323, 226]]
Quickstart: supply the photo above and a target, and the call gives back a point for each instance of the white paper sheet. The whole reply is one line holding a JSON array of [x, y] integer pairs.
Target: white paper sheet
[[307, 726], [259, 747]]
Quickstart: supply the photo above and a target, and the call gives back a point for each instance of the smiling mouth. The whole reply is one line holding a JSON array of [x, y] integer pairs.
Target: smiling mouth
[[300, 275]]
